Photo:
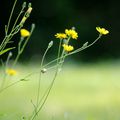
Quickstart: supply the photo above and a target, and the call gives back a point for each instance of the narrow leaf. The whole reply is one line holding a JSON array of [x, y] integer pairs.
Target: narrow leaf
[[6, 50]]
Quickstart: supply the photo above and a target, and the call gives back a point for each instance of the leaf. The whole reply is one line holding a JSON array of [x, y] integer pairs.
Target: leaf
[[6, 50], [85, 45]]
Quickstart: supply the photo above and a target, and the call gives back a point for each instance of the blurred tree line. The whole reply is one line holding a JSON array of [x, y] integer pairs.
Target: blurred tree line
[[52, 16]]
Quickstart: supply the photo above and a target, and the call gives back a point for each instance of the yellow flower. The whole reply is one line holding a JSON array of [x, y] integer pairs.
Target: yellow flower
[[61, 35], [102, 31], [24, 33], [11, 72], [71, 33], [68, 48]]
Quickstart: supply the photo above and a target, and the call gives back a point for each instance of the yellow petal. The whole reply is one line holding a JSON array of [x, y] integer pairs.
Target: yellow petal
[[24, 33]]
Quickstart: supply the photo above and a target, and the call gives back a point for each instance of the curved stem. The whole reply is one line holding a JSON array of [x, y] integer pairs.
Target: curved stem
[[20, 50], [76, 51], [59, 49], [17, 18], [82, 48], [51, 85], [39, 81], [1, 45], [9, 86], [10, 16], [47, 92]]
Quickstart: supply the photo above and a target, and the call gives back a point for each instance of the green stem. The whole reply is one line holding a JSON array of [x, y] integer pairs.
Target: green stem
[[16, 59], [17, 19], [76, 51], [82, 48], [59, 49], [51, 85], [9, 86], [26, 41], [1, 45], [20, 50], [46, 94], [11, 16], [39, 81], [6, 40]]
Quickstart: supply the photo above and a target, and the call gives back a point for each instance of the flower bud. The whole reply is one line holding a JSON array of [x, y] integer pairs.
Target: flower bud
[[44, 70], [50, 44], [29, 10], [23, 20], [10, 54], [24, 5]]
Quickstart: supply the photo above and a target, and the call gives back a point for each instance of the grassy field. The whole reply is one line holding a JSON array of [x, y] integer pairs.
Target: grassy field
[[80, 92]]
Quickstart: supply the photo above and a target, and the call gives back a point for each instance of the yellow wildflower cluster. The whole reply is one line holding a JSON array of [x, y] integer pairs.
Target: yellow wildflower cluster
[[72, 33], [24, 33], [102, 31], [11, 72], [68, 48], [68, 33], [61, 35]]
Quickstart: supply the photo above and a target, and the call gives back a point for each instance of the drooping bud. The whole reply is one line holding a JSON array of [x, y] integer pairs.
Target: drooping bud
[[44, 70], [29, 5], [50, 44], [24, 5], [29, 10], [73, 28], [10, 54]]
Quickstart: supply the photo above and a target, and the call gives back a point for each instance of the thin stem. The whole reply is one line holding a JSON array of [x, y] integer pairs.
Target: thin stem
[[63, 52], [16, 59], [48, 87], [76, 51], [9, 86], [7, 39], [26, 41], [4, 75], [62, 56], [51, 85], [7, 61], [59, 49], [30, 74], [46, 94], [1, 46], [20, 50], [82, 48], [17, 18], [39, 81], [11, 16]]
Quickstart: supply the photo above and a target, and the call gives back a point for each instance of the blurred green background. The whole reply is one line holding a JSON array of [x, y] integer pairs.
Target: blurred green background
[[88, 87], [80, 92]]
